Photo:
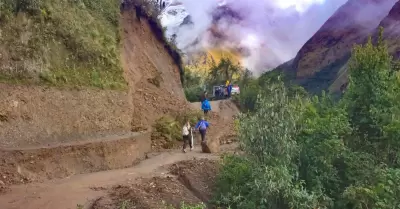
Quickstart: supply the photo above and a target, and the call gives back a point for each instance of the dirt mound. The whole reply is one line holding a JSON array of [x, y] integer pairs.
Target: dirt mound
[[190, 182], [151, 193], [197, 175], [40, 164], [210, 146]]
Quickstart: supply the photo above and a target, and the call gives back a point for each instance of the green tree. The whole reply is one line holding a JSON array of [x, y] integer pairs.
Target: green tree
[[267, 138], [224, 70], [372, 101]]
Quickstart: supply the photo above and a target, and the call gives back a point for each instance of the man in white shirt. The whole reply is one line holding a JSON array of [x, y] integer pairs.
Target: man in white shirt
[[186, 136]]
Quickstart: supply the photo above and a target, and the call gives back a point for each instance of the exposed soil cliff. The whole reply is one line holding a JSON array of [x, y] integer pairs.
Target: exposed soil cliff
[[39, 114]]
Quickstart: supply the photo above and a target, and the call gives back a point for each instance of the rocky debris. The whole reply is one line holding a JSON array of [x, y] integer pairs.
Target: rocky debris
[[210, 146], [3, 187]]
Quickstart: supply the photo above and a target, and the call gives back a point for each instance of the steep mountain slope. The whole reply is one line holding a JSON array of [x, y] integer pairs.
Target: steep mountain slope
[[391, 24], [60, 44], [153, 75], [318, 62], [39, 114]]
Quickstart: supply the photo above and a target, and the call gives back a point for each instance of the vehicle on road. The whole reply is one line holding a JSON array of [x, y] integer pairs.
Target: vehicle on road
[[220, 92], [235, 89]]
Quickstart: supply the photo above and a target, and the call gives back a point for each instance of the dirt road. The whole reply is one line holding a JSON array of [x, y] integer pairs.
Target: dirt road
[[81, 189], [225, 108], [84, 189]]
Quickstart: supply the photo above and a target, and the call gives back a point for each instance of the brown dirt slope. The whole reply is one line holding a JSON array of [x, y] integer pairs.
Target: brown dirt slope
[[42, 116], [35, 164], [160, 177], [190, 182], [153, 77], [323, 55], [221, 120], [47, 132]]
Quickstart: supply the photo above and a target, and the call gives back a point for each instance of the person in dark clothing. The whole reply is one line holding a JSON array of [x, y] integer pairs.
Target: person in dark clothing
[[203, 96], [163, 5], [229, 90], [122, 6], [138, 11], [202, 126], [218, 92]]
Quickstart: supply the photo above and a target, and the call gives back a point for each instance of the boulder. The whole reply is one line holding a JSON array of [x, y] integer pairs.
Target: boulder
[[210, 146]]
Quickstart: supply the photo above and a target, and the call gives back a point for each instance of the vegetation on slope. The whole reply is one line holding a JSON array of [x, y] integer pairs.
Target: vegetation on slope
[[217, 74], [303, 152], [62, 43], [167, 130]]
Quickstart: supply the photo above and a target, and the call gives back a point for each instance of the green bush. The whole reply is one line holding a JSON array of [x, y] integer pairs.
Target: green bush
[[193, 93], [250, 88], [248, 96], [316, 152], [232, 187], [264, 178], [169, 128], [372, 102]]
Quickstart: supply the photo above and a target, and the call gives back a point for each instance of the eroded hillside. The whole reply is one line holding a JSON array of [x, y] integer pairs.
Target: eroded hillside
[[153, 74], [63, 78], [323, 57]]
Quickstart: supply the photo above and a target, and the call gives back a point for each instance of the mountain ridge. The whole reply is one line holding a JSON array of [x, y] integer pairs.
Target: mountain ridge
[[323, 58]]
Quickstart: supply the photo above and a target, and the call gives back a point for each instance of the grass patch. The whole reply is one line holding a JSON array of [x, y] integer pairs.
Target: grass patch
[[61, 43], [168, 127]]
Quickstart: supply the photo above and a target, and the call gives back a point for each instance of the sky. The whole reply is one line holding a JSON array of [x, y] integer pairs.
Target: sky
[[272, 30]]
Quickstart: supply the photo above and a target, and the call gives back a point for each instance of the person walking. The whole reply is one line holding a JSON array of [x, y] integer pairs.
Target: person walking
[[202, 126], [138, 11], [186, 136], [229, 89], [203, 96], [205, 106]]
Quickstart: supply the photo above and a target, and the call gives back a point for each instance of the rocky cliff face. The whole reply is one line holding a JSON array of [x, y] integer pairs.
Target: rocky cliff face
[[323, 57]]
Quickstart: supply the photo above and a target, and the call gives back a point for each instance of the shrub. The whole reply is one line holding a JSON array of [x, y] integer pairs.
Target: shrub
[[193, 93], [372, 100], [248, 96], [169, 127], [305, 152], [264, 178]]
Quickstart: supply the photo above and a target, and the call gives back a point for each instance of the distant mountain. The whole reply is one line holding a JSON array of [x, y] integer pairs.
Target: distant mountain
[[391, 24], [323, 58], [280, 33]]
